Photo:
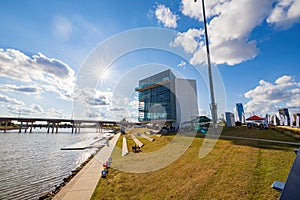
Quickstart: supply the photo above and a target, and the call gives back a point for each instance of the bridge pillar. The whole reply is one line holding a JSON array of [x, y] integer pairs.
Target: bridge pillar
[[48, 127], [101, 128], [97, 127], [31, 127], [20, 129], [79, 128], [5, 126], [56, 127], [72, 127], [53, 127], [26, 127], [75, 128]]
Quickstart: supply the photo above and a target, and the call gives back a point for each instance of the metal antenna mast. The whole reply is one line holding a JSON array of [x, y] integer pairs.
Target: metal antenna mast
[[213, 105]]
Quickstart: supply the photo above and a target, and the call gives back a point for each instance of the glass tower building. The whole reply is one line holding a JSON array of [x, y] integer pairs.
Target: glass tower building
[[163, 97], [240, 112]]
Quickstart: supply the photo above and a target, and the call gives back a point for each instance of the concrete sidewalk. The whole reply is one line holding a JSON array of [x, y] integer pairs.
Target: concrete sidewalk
[[84, 183]]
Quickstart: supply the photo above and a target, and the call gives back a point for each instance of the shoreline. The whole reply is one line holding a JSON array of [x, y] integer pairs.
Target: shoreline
[[57, 188], [2, 128], [84, 183]]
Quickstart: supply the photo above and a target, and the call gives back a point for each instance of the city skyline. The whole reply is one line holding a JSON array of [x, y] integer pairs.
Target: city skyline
[[254, 44]]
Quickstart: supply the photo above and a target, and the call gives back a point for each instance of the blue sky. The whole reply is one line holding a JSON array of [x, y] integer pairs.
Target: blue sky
[[43, 45]]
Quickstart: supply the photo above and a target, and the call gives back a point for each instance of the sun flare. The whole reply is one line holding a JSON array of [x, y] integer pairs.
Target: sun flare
[[107, 77]]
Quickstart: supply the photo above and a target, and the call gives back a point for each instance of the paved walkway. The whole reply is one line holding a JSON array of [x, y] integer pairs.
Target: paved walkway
[[261, 140], [84, 183]]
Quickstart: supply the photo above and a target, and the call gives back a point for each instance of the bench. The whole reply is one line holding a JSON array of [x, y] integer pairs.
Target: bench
[[291, 187], [137, 142], [147, 137], [124, 147]]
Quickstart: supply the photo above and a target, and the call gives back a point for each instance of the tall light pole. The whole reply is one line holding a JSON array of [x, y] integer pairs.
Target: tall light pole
[[213, 105]]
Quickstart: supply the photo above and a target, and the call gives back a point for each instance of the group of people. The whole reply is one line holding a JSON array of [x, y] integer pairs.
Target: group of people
[[136, 149]]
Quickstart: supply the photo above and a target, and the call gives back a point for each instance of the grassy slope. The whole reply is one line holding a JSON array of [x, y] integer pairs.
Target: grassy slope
[[234, 169]]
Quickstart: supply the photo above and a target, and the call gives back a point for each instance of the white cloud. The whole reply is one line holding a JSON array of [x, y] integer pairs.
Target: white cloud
[[118, 109], [189, 40], [91, 97], [49, 73], [34, 110], [20, 89], [37, 108], [11, 101], [194, 9], [285, 13], [267, 97], [92, 103], [228, 28], [56, 113], [230, 52], [134, 104], [17, 107], [97, 101], [165, 16], [284, 80], [25, 110], [182, 64]]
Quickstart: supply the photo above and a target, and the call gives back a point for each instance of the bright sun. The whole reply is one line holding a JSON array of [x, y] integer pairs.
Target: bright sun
[[107, 77], [106, 74]]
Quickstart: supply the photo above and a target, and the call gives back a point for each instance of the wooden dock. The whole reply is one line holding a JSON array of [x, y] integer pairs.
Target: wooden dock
[[96, 142]]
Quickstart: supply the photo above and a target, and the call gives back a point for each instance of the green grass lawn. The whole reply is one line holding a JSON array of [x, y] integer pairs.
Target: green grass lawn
[[234, 169]]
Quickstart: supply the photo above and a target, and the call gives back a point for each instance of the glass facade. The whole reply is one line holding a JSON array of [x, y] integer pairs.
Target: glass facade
[[240, 111], [157, 78], [156, 100]]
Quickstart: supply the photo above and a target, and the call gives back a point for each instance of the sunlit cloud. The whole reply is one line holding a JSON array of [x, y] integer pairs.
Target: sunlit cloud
[[48, 73], [20, 89], [10, 101], [268, 97], [233, 45], [285, 13], [25, 110], [182, 64], [166, 17]]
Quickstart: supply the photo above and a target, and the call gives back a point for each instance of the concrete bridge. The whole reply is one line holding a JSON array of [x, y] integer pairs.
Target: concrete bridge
[[52, 123]]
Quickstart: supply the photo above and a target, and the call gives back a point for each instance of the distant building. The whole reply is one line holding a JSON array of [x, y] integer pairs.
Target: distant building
[[286, 115], [163, 97], [229, 119], [240, 112], [296, 119]]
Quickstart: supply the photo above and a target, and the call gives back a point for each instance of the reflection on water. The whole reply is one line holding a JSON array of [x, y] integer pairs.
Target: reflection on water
[[32, 163]]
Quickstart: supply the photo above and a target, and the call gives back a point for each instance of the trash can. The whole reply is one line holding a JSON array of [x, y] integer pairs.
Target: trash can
[[103, 174], [104, 165]]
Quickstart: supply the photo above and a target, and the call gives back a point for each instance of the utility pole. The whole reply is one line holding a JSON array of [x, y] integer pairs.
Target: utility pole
[[213, 105]]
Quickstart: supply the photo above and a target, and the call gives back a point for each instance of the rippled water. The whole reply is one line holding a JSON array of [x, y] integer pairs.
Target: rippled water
[[32, 163]]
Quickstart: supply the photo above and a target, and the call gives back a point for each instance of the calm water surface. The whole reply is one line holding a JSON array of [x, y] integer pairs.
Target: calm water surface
[[32, 163]]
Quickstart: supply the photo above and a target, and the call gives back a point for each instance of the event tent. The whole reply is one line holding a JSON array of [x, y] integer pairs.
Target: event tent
[[254, 117]]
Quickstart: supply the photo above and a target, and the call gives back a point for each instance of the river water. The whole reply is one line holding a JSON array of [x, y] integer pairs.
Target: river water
[[32, 163]]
